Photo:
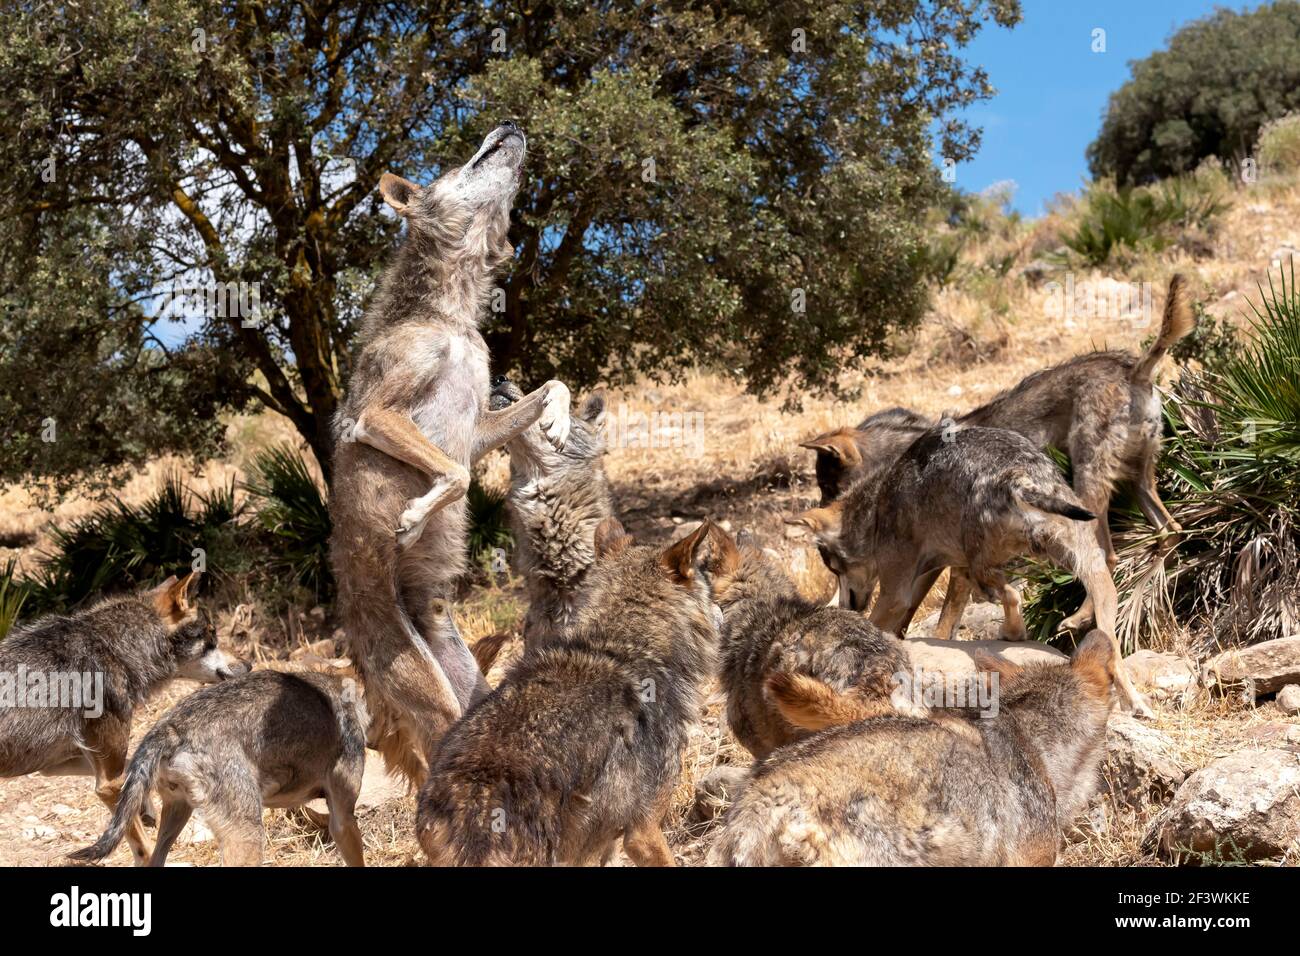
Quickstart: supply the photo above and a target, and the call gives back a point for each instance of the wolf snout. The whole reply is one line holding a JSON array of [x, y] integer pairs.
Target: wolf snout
[[235, 668]]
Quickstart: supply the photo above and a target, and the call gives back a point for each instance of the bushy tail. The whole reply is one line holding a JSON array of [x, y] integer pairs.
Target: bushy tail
[[812, 704], [1177, 321], [140, 776], [1046, 501]]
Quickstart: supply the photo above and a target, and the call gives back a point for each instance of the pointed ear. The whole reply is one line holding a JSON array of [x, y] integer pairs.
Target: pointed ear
[[611, 539], [172, 599], [188, 591], [398, 192], [678, 561], [722, 557], [1094, 662], [820, 520], [986, 661], [593, 409], [839, 444]]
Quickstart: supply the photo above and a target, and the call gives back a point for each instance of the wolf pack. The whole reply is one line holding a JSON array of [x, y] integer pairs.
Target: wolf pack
[[580, 746]]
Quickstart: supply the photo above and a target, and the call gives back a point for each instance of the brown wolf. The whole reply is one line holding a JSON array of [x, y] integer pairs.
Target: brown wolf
[[270, 739], [414, 421], [557, 498], [948, 790], [1100, 408], [582, 742], [769, 629], [128, 647], [972, 499]]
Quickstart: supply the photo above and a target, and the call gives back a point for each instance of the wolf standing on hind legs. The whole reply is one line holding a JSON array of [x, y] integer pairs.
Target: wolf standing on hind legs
[[415, 419]]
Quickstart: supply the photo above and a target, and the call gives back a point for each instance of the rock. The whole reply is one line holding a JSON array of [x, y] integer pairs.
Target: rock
[[981, 621], [378, 787], [1161, 674], [1036, 271], [958, 657], [1288, 698], [62, 810], [1275, 732], [40, 833], [1257, 669], [199, 832], [794, 531], [717, 791], [1140, 765], [1245, 806]]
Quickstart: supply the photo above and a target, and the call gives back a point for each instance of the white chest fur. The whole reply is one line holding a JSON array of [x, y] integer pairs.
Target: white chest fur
[[455, 392]]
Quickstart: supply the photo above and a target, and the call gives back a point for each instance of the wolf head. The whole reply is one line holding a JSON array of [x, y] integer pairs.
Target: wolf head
[[192, 634], [466, 211]]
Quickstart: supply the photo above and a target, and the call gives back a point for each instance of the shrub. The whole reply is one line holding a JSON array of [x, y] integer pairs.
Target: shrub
[[1279, 145], [1110, 221], [12, 595], [292, 510]]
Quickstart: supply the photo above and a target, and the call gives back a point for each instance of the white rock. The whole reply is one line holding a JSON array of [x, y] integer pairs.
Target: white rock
[[1288, 698], [1245, 806]]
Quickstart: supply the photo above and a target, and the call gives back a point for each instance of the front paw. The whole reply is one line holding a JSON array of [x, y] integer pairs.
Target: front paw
[[411, 523], [554, 420]]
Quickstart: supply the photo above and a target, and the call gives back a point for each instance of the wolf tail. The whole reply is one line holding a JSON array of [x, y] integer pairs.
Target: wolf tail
[[813, 704], [141, 774], [1036, 497], [1177, 321]]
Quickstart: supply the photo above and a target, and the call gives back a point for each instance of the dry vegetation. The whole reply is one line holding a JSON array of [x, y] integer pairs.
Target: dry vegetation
[[987, 328]]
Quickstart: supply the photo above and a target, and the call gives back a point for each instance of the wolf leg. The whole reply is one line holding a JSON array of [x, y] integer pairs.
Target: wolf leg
[[109, 762], [954, 604], [645, 845], [174, 817], [548, 406], [400, 438]]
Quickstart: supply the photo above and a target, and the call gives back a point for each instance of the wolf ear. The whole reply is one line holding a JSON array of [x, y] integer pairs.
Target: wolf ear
[[839, 444], [399, 193], [819, 520], [593, 409], [1094, 662], [173, 599], [721, 557], [991, 663], [611, 539], [679, 558]]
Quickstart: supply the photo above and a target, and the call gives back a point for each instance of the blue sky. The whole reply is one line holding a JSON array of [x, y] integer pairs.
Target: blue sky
[[1052, 89]]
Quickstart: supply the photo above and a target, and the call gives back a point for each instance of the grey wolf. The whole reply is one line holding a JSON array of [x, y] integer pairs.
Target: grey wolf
[[972, 499], [582, 742], [269, 739], [132, 645], [946, 790], [414, 421], [1102, 409], [557, 498], [768, 629]]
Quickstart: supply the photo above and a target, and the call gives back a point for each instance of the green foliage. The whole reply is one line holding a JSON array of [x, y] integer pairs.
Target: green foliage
[[1222, 78], [489, 523], [1279, 145], [12, 595], [1127, 221], [120, 547], [1230, 477], [1212, 343], [291, 508], [690, 167]]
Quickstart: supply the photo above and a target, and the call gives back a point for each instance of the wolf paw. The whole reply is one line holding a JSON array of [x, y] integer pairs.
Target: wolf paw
[[554, 420], [411, 524]]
